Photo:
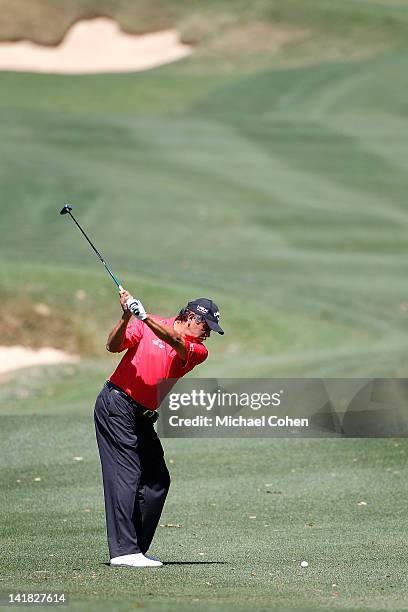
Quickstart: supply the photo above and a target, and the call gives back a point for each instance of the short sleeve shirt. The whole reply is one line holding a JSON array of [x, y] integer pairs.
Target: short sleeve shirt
[[149, 360]]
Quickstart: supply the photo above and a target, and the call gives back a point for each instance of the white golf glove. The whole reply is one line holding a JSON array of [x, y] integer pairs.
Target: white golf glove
[[136, 308]]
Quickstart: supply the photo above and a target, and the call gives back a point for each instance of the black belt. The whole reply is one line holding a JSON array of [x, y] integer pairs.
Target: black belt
[[144, 412]]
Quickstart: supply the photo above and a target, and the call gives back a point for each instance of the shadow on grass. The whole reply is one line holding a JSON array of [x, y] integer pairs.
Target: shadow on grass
[[185, 563], [195, 563]]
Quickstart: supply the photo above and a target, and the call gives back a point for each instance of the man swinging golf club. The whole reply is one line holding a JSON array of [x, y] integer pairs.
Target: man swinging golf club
[[135, 476]]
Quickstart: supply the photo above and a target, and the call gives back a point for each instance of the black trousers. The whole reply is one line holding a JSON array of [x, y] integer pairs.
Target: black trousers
[[135, 476]]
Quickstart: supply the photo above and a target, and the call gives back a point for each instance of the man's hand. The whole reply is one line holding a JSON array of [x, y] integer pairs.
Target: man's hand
[[136, 308], [123, 298]]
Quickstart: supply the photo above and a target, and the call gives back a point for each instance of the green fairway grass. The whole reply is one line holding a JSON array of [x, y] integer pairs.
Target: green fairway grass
[[274, 183], [302, 496]]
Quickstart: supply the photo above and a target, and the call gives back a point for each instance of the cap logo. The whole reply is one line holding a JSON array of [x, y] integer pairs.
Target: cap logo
[[217, 315], [202, 309]]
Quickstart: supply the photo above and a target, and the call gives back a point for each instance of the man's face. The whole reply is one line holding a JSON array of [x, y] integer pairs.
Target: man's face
[[195, 329]]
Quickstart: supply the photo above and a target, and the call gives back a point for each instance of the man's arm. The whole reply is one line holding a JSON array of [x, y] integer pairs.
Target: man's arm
[[117, 335], [168, 335]]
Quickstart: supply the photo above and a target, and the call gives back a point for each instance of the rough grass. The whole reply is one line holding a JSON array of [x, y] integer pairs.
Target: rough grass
[[77, 315], [230, 35]]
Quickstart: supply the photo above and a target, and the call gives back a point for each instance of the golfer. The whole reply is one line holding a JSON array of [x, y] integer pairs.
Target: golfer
[[135, 476]]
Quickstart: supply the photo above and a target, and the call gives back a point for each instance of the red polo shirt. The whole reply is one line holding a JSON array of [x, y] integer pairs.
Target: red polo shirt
[[149, 360]]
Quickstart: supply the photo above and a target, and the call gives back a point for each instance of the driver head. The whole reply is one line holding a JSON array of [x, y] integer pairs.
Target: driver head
[[67, 208]]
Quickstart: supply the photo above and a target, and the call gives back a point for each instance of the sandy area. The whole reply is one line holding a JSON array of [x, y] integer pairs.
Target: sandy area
[[92, 46], [15, 357]]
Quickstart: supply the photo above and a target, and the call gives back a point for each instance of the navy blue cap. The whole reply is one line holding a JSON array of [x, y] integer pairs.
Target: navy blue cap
[[208, 310]]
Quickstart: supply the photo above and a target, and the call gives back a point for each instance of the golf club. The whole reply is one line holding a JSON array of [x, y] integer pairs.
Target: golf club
[[66, 210]]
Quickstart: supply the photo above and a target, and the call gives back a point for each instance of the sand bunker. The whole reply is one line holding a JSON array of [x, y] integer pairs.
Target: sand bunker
[[15, 357], [92, 46]]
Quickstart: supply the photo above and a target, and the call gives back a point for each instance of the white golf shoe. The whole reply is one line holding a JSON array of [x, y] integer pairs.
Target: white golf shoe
[[135, 560]]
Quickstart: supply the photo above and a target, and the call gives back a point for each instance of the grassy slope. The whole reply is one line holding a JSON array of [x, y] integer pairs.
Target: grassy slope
[[284, 188]]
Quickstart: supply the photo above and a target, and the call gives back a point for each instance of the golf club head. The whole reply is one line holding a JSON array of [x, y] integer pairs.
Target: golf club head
[[67, 209]]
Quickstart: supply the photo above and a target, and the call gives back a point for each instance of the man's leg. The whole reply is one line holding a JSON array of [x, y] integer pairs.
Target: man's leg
[[118, 448], [153, 488]]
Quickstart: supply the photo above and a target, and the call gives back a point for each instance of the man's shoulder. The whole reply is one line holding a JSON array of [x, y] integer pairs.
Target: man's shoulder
[[197, 348], [200, 347]]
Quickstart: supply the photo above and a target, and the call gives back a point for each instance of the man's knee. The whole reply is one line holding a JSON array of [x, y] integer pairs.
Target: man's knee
[[167, 481], [164, 483]]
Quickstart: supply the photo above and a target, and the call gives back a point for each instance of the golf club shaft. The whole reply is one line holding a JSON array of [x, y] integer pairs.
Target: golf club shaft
[[97, 252]]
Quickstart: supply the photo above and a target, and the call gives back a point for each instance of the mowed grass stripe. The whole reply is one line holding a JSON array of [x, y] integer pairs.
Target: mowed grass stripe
[[285, 271]]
